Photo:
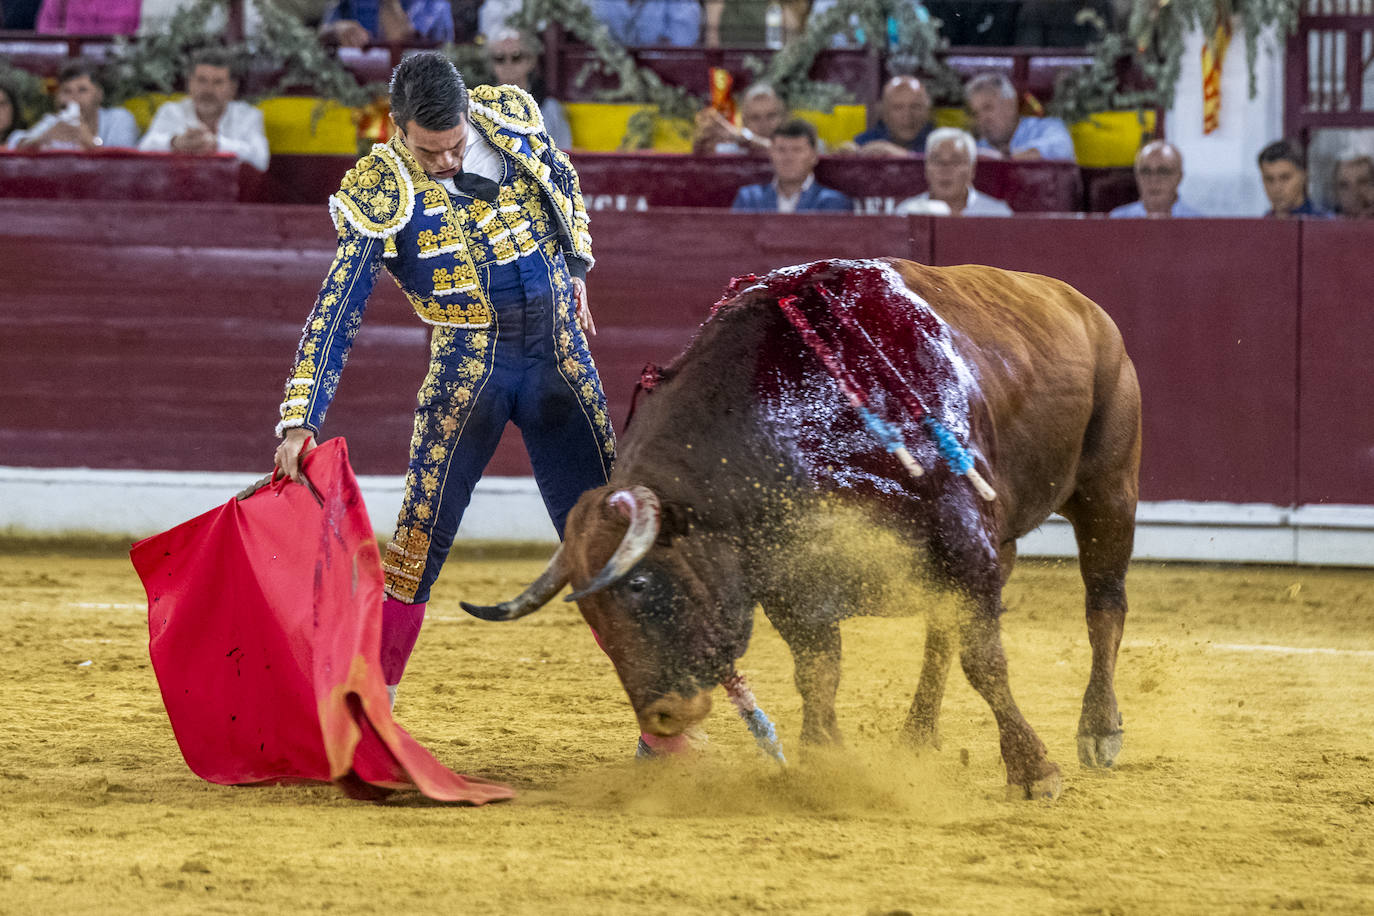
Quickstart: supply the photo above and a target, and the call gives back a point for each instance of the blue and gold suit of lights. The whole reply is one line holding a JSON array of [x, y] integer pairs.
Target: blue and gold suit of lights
[[495, 282]]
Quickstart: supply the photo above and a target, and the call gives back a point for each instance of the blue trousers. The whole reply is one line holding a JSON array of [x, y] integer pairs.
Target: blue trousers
[[532, 368]]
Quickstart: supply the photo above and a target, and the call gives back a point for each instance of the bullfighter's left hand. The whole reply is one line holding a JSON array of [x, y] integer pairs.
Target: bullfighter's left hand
[[584, 312]]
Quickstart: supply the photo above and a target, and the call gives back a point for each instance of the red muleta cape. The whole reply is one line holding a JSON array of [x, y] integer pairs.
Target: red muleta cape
[[264, 621]]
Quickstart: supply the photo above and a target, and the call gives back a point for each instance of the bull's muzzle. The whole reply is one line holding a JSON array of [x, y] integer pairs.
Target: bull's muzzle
[[673, 714]]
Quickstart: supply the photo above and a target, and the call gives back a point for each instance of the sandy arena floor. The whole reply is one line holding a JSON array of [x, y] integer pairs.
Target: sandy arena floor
[[1246, 784]]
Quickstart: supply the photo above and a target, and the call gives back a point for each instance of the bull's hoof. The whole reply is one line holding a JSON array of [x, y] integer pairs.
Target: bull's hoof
[[1044, 789], [921, 736], [1100, 750]]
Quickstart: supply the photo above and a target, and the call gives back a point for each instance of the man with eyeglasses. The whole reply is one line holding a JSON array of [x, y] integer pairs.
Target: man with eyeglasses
[[478, 217], [1158, 172]]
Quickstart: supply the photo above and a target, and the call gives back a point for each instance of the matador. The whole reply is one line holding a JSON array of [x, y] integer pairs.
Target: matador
[[480, 220]]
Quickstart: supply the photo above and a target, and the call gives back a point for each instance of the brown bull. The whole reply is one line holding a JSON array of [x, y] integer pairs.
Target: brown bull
[[747, 436]]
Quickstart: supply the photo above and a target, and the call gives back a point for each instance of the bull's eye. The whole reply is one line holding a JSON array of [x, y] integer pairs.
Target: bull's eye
[[638, 584]]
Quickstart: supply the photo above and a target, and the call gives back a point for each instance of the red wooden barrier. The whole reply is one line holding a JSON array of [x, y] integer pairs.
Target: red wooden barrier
[[648, 180], [120, 174], [1335, 419], [610, 181], [157, 335], [1208, 310]]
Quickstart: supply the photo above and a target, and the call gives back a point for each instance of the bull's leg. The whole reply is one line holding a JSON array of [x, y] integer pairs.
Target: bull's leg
[[815, 649], [1104, 530], [1030, 772], [968, 559], [923, 722]]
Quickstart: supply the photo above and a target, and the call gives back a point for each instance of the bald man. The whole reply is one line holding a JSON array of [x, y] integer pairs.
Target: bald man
[[905, 121], [1158, 171]]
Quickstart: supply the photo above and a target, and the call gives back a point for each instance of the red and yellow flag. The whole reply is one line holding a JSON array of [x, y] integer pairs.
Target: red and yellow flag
[[1213, 57]]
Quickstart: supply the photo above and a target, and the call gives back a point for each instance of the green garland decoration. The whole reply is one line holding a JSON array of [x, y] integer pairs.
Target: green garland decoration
[[635, 83], [1153, 37], [911, 42], [26, 91], [155, 62]]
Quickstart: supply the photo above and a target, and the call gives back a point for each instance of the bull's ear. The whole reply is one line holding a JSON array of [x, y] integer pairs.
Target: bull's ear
[[675, 522]]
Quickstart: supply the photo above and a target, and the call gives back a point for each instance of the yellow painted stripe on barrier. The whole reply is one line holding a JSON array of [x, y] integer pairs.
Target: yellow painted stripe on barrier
[[600, 126]]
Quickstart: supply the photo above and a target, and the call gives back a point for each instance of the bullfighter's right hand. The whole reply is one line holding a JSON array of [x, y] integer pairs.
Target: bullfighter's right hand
[[294, 444]]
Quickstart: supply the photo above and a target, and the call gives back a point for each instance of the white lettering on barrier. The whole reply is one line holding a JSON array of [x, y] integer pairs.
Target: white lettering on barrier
[[636, 202], [877, 204]]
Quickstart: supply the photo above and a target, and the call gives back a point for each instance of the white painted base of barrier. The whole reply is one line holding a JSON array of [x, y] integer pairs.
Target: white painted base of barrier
[[47, 502]]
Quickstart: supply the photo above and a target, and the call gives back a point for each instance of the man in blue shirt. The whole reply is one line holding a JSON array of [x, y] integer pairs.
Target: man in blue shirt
[[905, 121], [793, 188], [1283, 169], [1002, 132], [651, 22], [1158, 171]]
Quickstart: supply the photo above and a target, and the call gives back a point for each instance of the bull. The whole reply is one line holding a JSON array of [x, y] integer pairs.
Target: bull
[[746, 437]]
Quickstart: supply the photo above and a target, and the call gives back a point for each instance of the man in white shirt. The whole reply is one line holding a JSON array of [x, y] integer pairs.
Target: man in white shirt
[[951, 155], [208, 120]]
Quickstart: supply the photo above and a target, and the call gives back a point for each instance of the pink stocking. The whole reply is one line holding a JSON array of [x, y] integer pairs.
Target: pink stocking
[[400, 628]]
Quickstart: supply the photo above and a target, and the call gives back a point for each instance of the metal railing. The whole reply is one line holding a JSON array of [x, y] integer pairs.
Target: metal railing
[[1330, 67]]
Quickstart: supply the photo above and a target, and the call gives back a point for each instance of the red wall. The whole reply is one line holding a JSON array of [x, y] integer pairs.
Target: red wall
[[142, 335]]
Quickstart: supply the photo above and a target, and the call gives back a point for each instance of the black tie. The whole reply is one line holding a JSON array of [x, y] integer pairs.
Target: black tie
[[476, 186]]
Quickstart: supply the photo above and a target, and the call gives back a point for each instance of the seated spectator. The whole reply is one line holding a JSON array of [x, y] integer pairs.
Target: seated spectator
[[651, 22], [1158, 171], [761, 112], [1003, 132], [11, 113], [79, 122], [208, 120], [951, 156], [355, 23], [493, 15], [904, 121], [88, 17], [513, 57], [794, 152], [1283, 168], [1354, 181]]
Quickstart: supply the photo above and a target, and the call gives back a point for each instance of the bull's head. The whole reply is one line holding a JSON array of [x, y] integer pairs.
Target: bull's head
[[666, 604]]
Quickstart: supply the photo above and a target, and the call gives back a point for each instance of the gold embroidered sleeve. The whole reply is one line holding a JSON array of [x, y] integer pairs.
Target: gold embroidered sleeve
[[329, 331]]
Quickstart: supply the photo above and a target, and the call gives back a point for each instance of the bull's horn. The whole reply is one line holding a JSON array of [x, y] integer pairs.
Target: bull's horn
[[642, 505], [537, 594]]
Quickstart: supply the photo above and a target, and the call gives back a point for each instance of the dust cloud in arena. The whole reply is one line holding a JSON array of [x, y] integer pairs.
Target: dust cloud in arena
[[1246, 783]]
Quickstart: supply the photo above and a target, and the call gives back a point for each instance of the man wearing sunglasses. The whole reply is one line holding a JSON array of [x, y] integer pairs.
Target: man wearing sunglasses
[[514, 61], [478, 216]]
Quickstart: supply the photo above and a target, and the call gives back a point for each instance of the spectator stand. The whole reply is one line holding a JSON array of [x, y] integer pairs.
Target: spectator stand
[[312, 150]]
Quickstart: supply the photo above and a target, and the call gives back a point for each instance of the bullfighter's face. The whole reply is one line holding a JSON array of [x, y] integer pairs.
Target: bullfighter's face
[[439, 152]]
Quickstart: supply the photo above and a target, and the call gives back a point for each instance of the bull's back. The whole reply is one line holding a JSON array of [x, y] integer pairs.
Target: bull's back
[[1049, 363]]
